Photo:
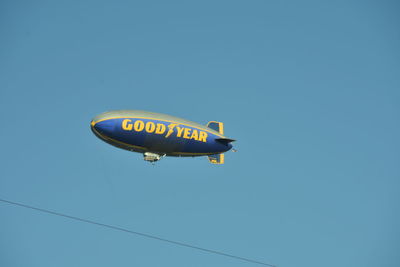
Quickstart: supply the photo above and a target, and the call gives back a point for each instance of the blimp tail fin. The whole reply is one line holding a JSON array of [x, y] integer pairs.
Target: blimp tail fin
[[216, 126], [217, 159]]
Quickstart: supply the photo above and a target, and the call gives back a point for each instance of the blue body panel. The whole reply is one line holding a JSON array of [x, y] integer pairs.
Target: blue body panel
[[159, 136]]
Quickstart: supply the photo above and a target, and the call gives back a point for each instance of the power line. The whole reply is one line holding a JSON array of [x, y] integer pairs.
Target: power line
[[136, 233]]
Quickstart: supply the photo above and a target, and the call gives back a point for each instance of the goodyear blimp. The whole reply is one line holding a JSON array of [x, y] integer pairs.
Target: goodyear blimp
[[156, 135]]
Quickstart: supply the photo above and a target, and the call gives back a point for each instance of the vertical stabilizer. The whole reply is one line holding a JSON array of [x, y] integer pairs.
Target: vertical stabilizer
[[216, 126]]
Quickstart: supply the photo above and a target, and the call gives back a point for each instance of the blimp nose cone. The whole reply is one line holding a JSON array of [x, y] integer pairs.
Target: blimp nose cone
[[104, 127]]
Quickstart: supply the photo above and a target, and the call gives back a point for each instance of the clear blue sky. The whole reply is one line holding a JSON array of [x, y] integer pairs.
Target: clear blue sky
[[310, 89]]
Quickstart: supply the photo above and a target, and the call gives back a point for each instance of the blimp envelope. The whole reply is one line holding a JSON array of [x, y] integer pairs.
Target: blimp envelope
[[157, 135]]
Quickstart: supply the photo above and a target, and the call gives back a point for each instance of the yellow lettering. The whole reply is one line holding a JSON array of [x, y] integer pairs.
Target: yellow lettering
[[126, 125], [138, 126], [170, 129], [160, 128], [150, 127], [180, 130], [203, 136], [195, 135], [186, 133]]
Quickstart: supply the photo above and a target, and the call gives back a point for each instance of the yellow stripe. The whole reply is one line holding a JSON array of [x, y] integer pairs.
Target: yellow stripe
[[144, 148], [119, 142], [221, 158], [191, 153], [146, 118], [221, 128]]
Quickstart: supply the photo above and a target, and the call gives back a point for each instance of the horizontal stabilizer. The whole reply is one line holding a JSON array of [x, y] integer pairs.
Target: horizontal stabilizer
[[224, 141], [217, 159]]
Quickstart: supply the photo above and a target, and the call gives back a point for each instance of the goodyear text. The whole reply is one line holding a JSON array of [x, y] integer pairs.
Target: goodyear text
[[160, 128]]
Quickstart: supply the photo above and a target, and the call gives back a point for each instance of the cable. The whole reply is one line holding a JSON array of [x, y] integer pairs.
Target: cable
[[136, 233]]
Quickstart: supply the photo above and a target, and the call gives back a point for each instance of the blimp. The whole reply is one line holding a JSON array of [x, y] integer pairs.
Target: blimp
[[157, 135]]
